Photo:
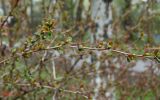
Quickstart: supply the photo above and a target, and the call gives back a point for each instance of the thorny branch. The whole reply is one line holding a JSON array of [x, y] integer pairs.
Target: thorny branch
[[83, 47], [38, 85]]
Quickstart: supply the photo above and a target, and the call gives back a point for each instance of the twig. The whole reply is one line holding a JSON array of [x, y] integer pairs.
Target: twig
[[113, 50], [32, 51], [10, 13], [36, 84], [76, 46], [75, 92], [53, 69]]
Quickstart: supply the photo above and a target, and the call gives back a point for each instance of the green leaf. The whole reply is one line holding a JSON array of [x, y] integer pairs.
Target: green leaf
[[49, 34], [158, 59], [69, 39]]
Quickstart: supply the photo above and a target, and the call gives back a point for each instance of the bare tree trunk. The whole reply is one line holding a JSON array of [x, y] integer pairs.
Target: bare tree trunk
[[31, 14], [4, 8], [101, 14], [79, 11]]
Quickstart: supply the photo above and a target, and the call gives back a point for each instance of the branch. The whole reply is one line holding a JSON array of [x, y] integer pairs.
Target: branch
[[83, 47], [113, 50], [36, 84]]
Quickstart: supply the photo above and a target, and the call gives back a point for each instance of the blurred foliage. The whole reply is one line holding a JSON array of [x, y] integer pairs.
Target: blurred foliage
[[50, 49]]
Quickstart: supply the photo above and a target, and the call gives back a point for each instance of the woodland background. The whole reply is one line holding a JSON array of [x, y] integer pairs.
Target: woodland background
[[80, 49]]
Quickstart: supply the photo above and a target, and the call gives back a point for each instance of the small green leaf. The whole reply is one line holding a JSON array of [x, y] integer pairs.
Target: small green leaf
[[158, 59], [14, 50], [130, 58], [49, 34], [80, 47], [69, 39]]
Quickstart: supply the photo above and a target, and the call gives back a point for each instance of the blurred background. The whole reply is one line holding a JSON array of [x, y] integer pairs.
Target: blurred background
[[127, 25]]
